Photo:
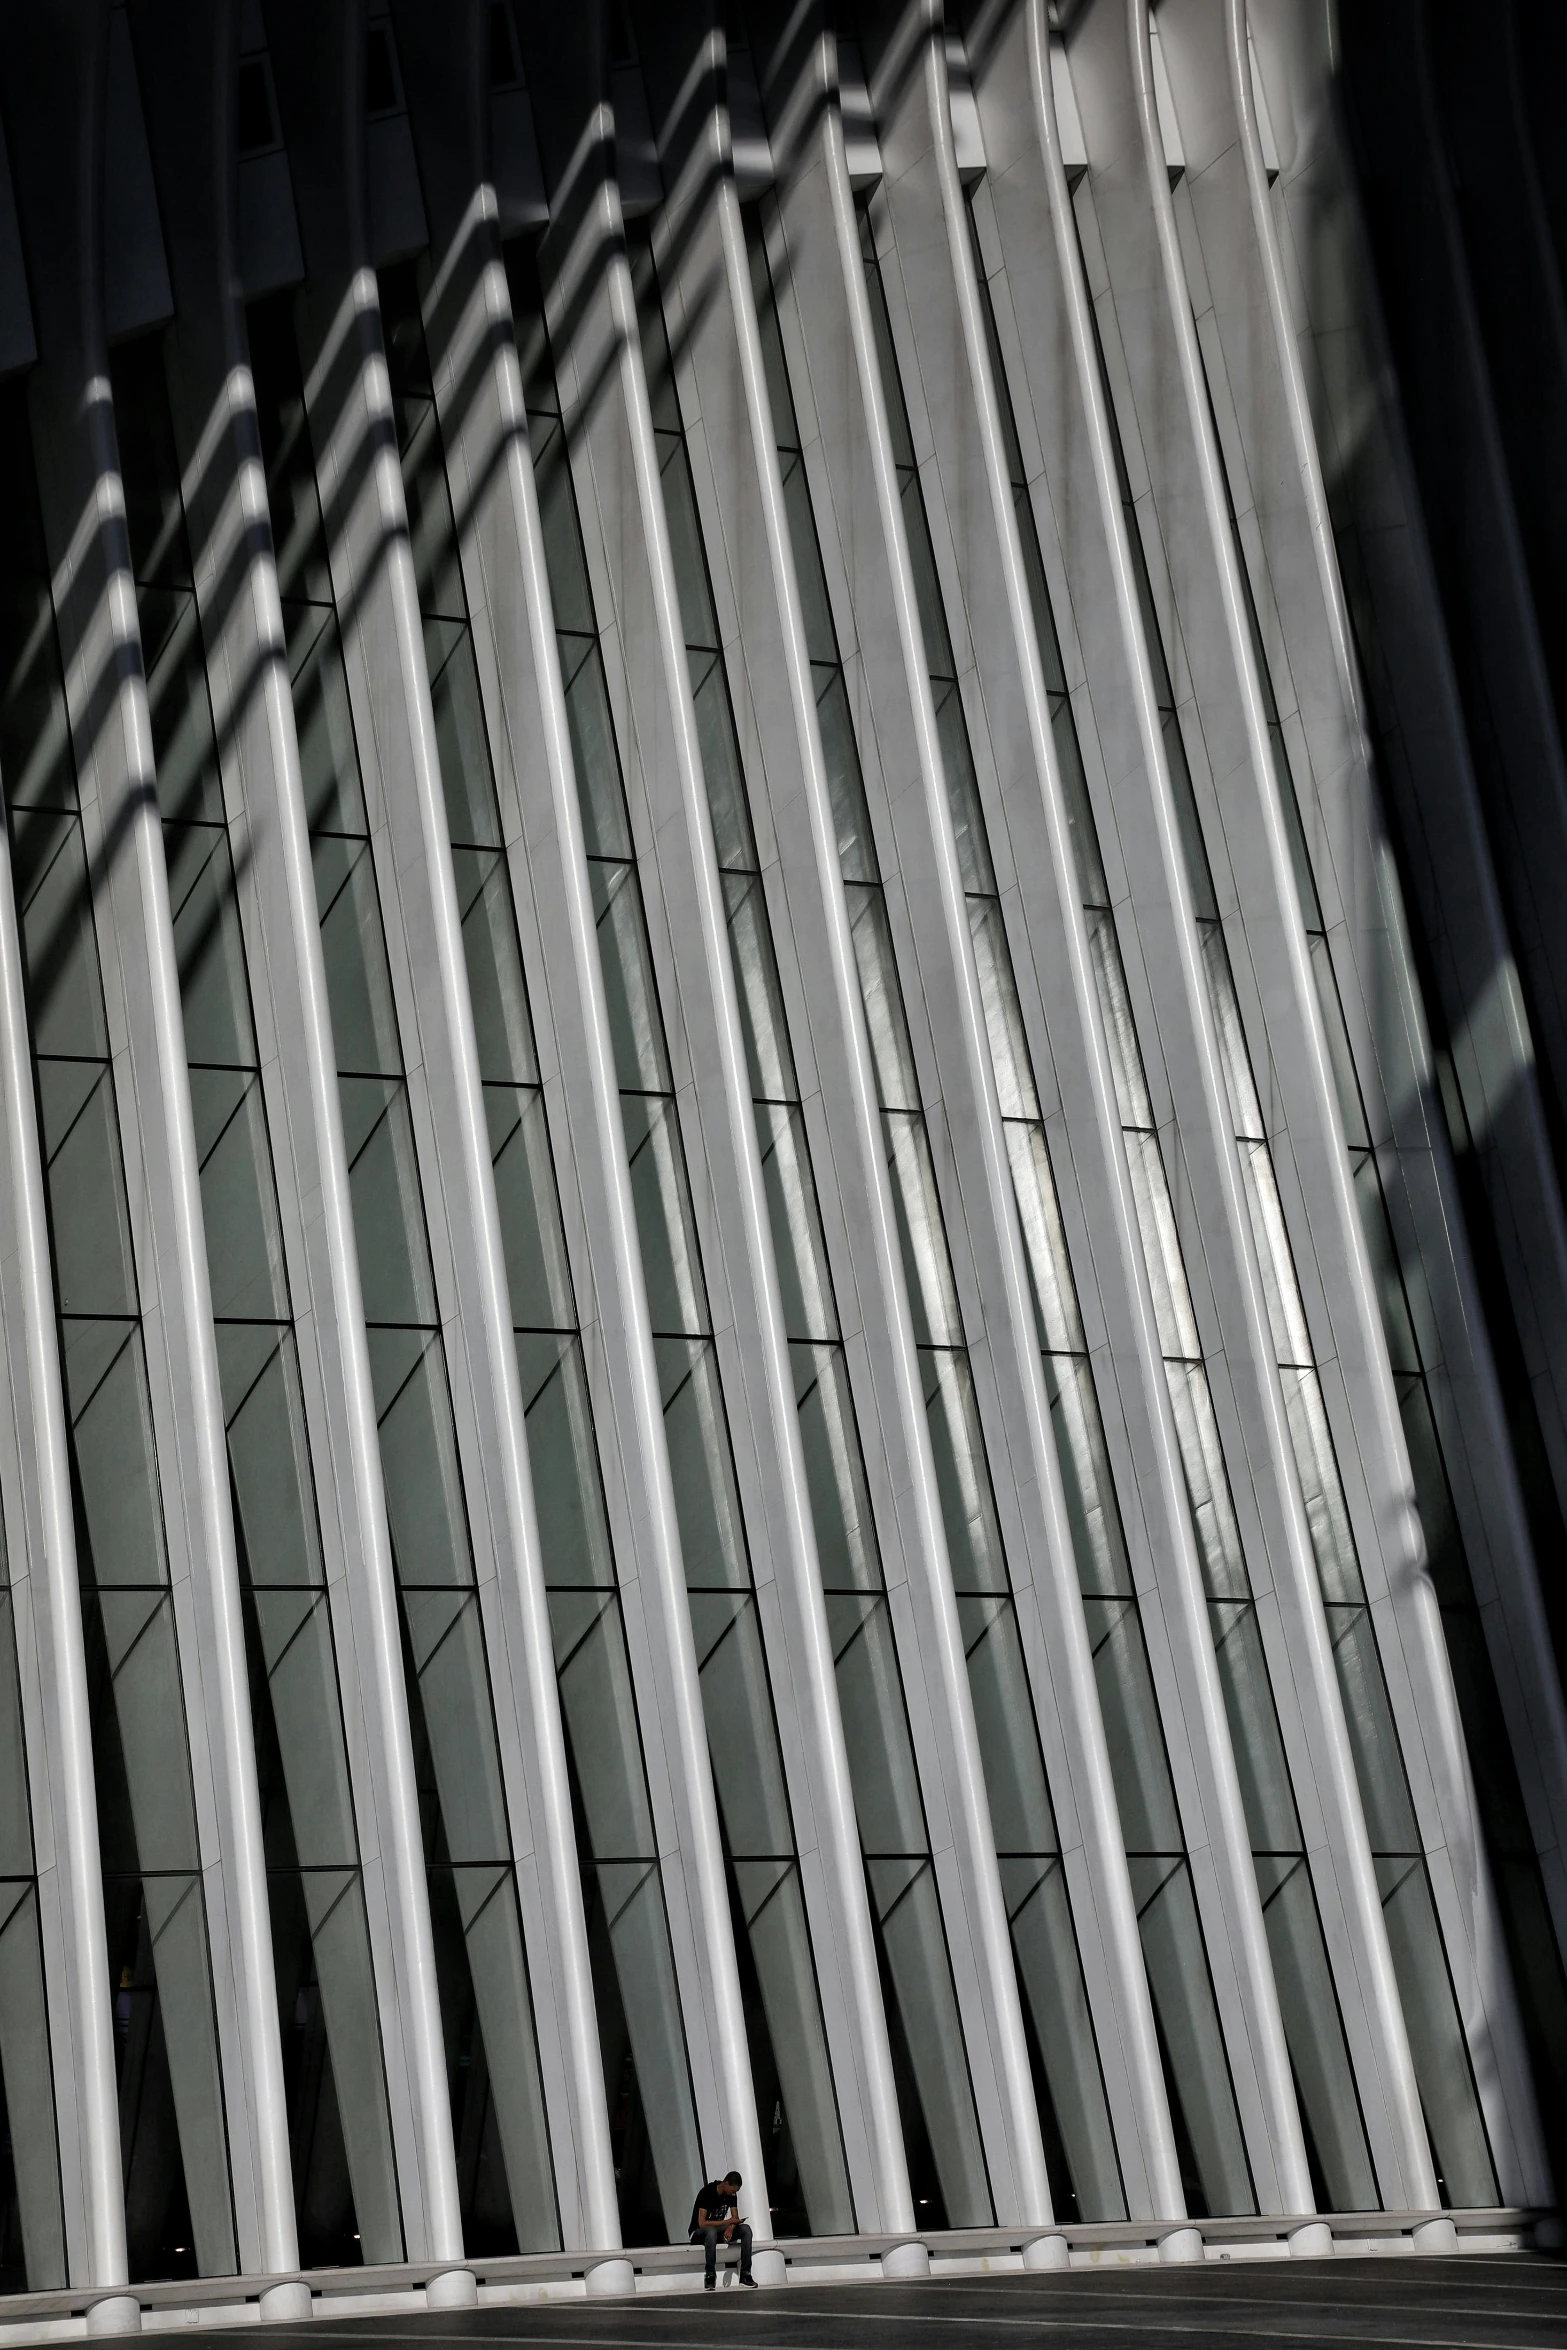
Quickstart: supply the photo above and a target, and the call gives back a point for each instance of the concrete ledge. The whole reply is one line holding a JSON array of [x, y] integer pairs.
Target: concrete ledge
[[212, 2303]]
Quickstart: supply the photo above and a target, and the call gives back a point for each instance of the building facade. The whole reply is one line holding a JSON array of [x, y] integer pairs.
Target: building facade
[[783, 1265]]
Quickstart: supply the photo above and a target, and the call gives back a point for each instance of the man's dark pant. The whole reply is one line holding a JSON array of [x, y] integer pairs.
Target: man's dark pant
[[741, 2236]]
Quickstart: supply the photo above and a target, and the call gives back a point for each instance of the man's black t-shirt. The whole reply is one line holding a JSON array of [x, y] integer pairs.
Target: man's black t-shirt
[[718, 2201]]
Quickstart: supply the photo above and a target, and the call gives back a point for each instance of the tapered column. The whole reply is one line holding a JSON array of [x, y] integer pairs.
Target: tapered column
[[1317, 1191], [35, 1485], [1413, 677], [821, 266], [189, 61], [1267, 949], [480, 402], [1247, 1398], [591, 313], [732, 1214], [947, 353], [1377, 984], [318, 59], [83, 509]]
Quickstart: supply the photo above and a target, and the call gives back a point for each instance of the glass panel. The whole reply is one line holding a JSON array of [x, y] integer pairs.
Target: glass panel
[[1327, 1514], [49, 864], [835, 1470], [1009, 1054], [328, 759], [208, 948], [1178, 1338], [1346, 1084], [1207, 1483], [395, 1277], [1149, 1820], [459, 733], [1020, 1809], [538, 1277], [1055, 1297], [875, 1727], [1286, 1317], [238, 1205], [805, 1284], [359, 986], [345, 2180], [480, 1968], [769, 1061], [1313, 2028], [502, 1030], [676, 1296], [897, 1087], [652, 2122], [1254, 1728], [1098, 1544], [1202, 2097], [968, 1506], [1465, 2178], [1056, 2006], [803, 2122], [629, 995], [32, 2222], [568, 1500], [596, 1697], [1384, 1792], [424, 1504], [1115, 1006], [712, 1539], [908, 1914], [91, 1226], [927, 1268]]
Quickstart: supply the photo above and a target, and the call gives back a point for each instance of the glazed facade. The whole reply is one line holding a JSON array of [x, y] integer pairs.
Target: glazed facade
[[782, 1248]]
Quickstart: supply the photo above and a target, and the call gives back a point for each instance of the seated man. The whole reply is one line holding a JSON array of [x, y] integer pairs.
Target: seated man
[[715, 2213]]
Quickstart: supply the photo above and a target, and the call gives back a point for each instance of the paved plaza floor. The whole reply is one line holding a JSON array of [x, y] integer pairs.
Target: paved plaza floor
[[1516, 2302]]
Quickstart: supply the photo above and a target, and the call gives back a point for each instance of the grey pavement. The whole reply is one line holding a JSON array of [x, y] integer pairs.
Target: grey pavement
[[1513, 2303]]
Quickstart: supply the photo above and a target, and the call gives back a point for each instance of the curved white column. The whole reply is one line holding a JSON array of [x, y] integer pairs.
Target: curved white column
[[948, 345], [593, 323], [1351, 1352], [591, 319], [479, 400], [821, 284], [933, 307], [700, 246], [84, 525], [1395, 1080], [35, 1481], [1280, 1556], [348, 397], [218, 444]]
